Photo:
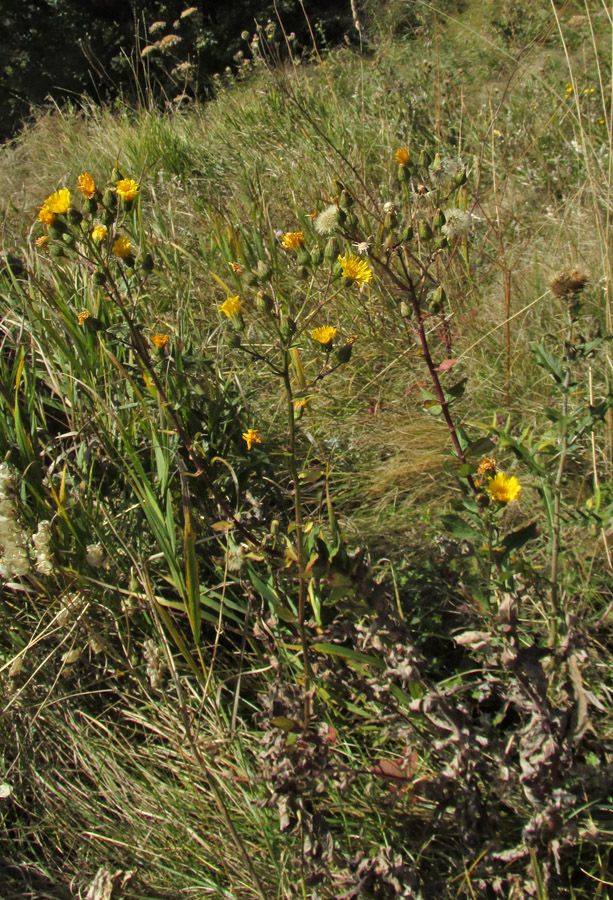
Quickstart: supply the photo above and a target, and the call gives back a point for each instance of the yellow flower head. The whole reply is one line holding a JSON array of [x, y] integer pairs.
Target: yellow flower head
[[159, 340], [325, 334], [252, 436], [127, 189], [41, 241], [46, 216], [99, 233], [503, 488], [237, 268], [292, 240], [86, 185], [122, 248], [355, 268], [59, 202], [231, 307], [82, 317], [402, 156]]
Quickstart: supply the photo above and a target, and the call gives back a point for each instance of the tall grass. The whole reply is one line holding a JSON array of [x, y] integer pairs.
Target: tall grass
[[329, 663]]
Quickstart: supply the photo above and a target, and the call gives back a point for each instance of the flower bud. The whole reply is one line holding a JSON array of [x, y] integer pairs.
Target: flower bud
[[405, 309], [303, 256], [147, 264], [303, 272], [346, 200], [287, 328], [391, 220], [344, 353], [351, 220], [264, 302], [264, 270], [439, 218], [425, 232], [74, 216], [109, 199], [245, 36], [403, 174], [483, 500], [99, 277], [316, 256], [56, 230], [460, 178], [407, 233], [108, 217], [68, 238], [441, 243], [91, 206], [116, 175], [332, 249]]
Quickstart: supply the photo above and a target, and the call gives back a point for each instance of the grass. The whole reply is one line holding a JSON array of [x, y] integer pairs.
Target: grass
[[327, 666]]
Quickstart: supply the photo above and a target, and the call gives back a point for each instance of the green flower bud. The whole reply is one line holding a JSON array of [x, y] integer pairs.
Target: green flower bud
[[303, 256], [425, 232], [344, 353], [116, 175], [109, 199], [69, 239], [405, 309], [439, 218], [441, 243], [351, 220], [461, 178], [147, 264], [304, 273], [316, 256], [264, 302], [74, 216], [390, 241], [56, 230], [403, 174], [434, 306], [332, 250], [391, 220], [346, 200], [99, 277], [108, 217], [245, 36], [287, 328], [439, 295], [264, 270], [483, 500], [407, 233]]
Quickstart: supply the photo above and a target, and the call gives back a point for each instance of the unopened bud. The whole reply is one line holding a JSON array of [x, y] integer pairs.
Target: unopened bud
[[439, 218], [91, 206], [425, 232], [147, 264], [316, 256], [391, 220], [331, 251], [346, 200], [407, 233], [264, 302], [68, 238], [99, 277], [74, 216], [460, 178], [264, 271], [303, 256], [344, 353], [405, 309], [109, 199], [351, 221]]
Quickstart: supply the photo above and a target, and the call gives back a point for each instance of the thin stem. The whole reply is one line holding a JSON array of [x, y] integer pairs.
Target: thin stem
[[298, 521]]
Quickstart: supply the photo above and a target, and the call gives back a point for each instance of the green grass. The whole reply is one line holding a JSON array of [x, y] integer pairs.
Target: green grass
[[156, 705]]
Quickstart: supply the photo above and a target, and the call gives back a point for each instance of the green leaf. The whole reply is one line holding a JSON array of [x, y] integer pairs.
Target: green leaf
[[547, 361], [192, 579], [459, 528], [352, 655], [516, 539]]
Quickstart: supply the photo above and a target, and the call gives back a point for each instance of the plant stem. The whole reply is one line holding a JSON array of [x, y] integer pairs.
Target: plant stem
[[299, 538]]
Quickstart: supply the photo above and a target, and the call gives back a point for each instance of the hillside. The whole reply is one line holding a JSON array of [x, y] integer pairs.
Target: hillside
[[305, 493]]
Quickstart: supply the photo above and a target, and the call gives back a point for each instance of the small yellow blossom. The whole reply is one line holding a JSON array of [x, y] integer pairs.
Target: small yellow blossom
[[402, 156], [41, 241], [99, 233], [46, 216], [355, 268], [159, 340], [292, 240], [325, 334], [86, 185], [59, 202], [231, 307], [237, 268], [503, 488], [122, 248], [569, 89], [252, 436], [82, 317], [301, 403], [127, 189]]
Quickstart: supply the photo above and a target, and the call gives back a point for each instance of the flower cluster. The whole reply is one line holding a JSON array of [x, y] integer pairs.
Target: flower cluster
[[13, 540], [42, 549]]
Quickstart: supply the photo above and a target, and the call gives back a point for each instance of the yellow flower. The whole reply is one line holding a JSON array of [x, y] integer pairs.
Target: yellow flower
[[159, 340], [99, 233], [231, 307], [325, 334], [82, 317], [402, 156], [252, 436], [292, 240], [127, 189], [237, 268], [355, 268], [86, 185], [503, 488], [569, 89], [122, 248], [59, 202], [41, 241], [46, 216]]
